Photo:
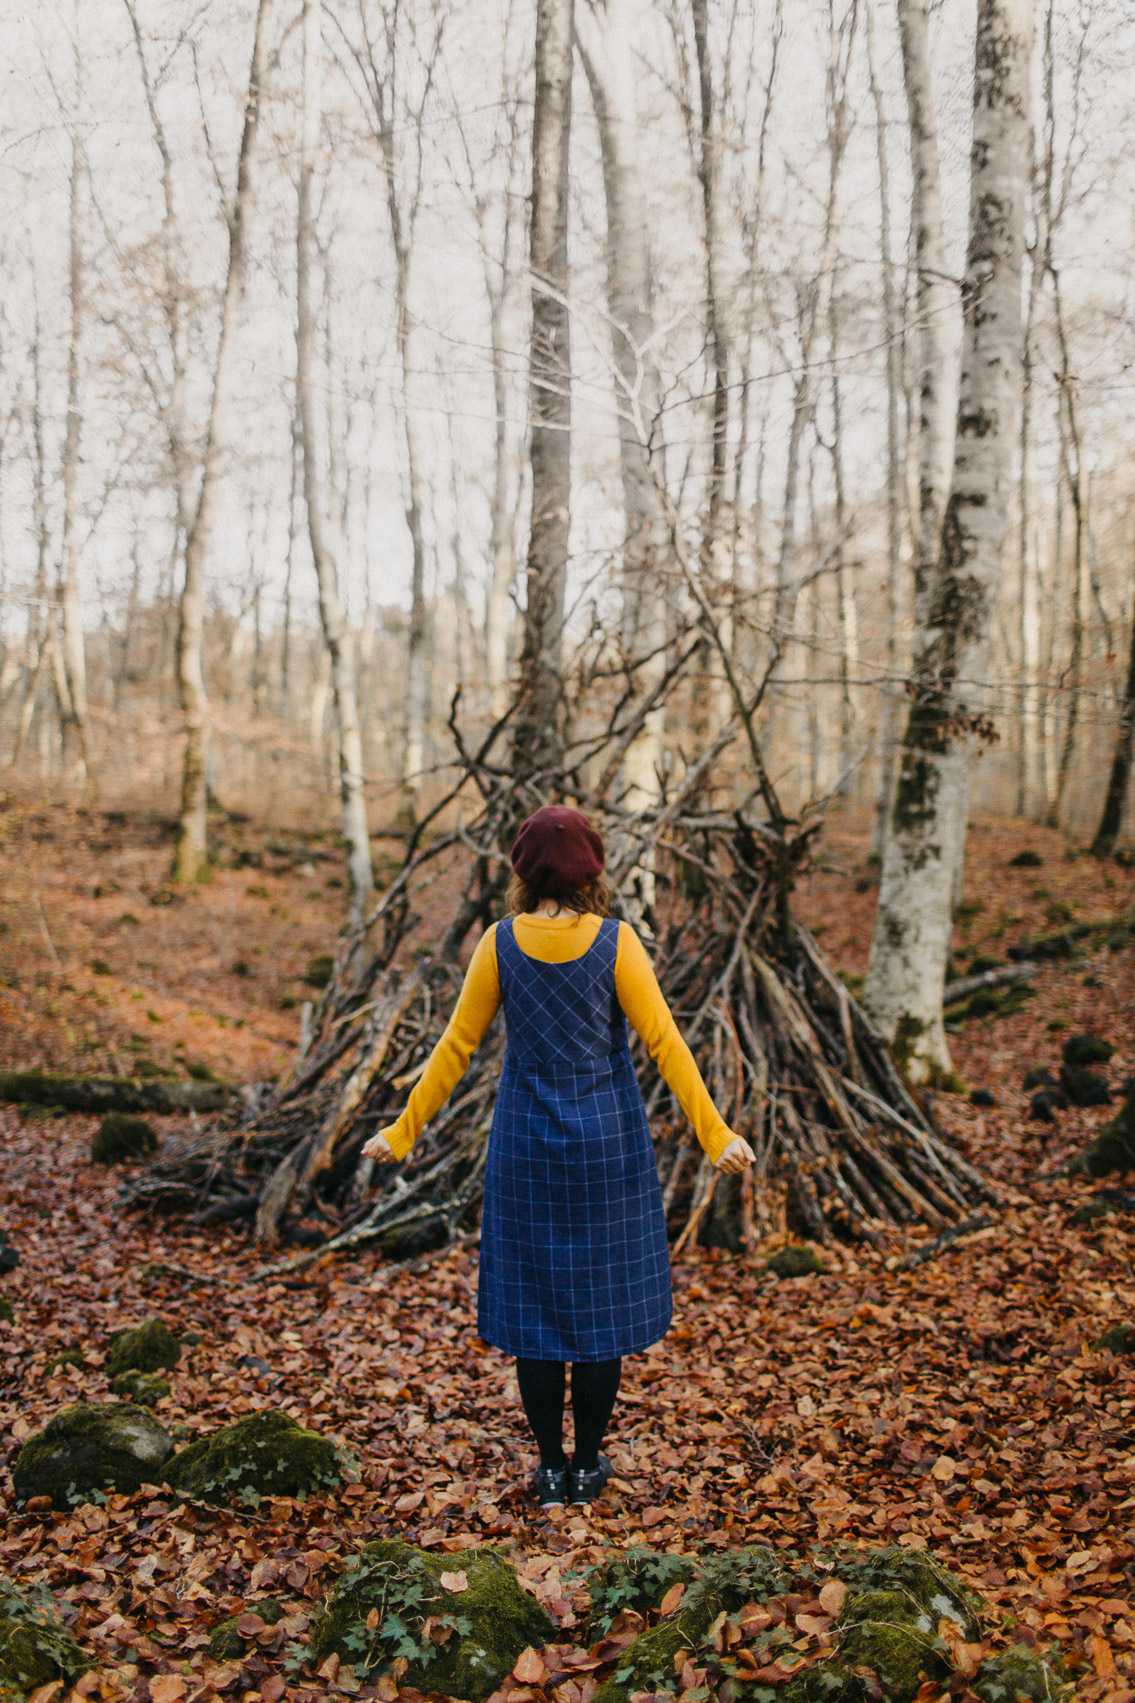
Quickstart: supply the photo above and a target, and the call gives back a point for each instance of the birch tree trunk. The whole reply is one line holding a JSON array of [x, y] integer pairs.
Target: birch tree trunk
[[539, 731], [76, 723], [934, 300], [912, 927], [191, 855], [322, 516], [1029, 611], [1119, 780], [604, 35]]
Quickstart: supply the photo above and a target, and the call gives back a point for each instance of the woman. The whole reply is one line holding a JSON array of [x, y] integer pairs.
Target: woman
[[574, 1262]]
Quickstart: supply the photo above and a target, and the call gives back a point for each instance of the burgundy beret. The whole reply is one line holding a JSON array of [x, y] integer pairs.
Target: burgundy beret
[[557, 851]]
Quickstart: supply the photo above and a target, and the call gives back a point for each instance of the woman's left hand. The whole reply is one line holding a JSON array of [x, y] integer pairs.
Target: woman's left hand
[[738, 1156]]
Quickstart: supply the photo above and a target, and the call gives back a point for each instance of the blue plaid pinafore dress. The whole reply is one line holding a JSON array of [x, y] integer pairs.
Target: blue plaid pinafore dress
[[574, 1261]]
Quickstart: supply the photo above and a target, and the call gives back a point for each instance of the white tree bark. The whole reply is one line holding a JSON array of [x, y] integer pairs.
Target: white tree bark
[[322, 514], [76, 724], [604, 33], [191, 856], [935, 297], [912, 926]]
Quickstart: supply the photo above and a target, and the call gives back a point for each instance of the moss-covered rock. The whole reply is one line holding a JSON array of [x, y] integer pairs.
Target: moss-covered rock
[[461, 1643], [796, 1261], [1120, 1339], [1113, 1148], [148, 1347], [142, 1388], [1081, 1050], [35, 1647], [69, 1357], [319, 971], [826, 1682], [120, 1138], [890, 1633], [1026, 859], [7, 1311], [1018, 1675], [1085, 1087], [924, 1581], [263, 1454], [84, 1449], [228, 1643]]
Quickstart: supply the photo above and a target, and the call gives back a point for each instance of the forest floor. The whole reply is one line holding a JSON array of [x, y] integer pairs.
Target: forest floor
[[955, 1406]]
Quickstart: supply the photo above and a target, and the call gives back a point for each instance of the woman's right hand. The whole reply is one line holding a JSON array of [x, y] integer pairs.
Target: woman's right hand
[[379, 1149], [738, 1156]]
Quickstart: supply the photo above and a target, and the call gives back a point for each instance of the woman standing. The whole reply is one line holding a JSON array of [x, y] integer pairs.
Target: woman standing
[[574, 1261]]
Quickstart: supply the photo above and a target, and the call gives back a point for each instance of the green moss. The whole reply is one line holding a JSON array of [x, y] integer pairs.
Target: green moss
[[1093, 1210], [1027, 859], [484, 1627], [85, 1449], [1018, 1675], [890, 1633], [7, 1312], [1113, 1148], [638, 1579], [109, 1093], [122, 1137], [319, 971], [1120, 1339], [69, 1357], [263, 1454], [922, 1580], [35, 1647], [1080, 1050], [228, 1644], [826, 1682], [796, 1261], [149, 1347], [142, 1388]]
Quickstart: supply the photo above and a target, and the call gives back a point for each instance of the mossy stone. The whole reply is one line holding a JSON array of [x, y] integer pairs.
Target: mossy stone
[[87, 1448], [142, 1388], [227, 1643], [922, 1580], [1026, 859], [489, 1623], [1085, 1087], [826, 1682], [796, 1261], [1018, 1675], [894, 1636], [263, 1454], [1093, 1210], [1113, 1148], [7, 1311], [320, 970], [121, 1138], [69, 1357], [148, 1347], [1081, 1050], [1120, 1339], [35, 1646]]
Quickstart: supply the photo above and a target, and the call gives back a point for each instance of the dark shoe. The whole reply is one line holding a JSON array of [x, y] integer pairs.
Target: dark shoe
[[551, 1486], [584, 1485]]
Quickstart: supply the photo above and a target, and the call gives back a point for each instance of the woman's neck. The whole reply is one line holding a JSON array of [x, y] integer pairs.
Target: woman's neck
[[550, 908]]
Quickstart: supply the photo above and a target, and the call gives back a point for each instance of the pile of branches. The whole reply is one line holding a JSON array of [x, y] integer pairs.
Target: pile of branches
[[843, 1147]]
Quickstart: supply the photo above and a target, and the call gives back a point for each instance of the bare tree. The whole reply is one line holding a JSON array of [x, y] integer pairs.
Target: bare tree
[[191, 855], [912, 926], [323, 522], [538, 733], [1119, 778]]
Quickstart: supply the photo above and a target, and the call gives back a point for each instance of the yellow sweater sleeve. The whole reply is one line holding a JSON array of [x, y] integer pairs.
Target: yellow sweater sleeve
[[475, 1010], [649, 1015]]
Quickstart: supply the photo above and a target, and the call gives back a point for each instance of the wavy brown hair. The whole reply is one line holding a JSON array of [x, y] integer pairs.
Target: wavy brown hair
[[593, 900]]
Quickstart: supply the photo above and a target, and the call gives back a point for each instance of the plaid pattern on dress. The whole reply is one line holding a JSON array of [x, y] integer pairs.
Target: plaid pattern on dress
[[574, 1261]]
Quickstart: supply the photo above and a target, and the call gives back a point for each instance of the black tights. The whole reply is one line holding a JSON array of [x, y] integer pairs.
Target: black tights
[[594, 1386]]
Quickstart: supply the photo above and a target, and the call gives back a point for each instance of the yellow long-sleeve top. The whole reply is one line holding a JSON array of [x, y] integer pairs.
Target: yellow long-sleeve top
[[559, 940]]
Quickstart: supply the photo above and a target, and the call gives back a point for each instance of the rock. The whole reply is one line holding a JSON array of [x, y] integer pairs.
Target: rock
[[9, 1258], [892, 1635], [1046, 1104], [1026, 859], [483, 1628], [142, 1388], [1120, 1339], [83, 1449], [1113, 1148], [149, 1347], [637, 1579], [1091, 1211], [1038, 1077], [1079, 1050], [1017, 1675], [7, 1311], [1085, 1087], [264, 1454], [228, 1643], [319, 971], [796, 1261], [982, 1097], [35, 1646], [120, 1138]]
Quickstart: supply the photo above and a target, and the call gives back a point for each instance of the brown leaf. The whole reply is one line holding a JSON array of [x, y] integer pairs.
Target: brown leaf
[[529, 1668], [832, 1597], [944, 1469], [1102, 1659], [45, 1693], [813, 1624], [454, 1581], [372, 1620], [167, 1688], [273, 1688], [672, 1598]]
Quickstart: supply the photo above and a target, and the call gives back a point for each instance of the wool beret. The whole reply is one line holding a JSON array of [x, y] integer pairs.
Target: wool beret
[[557, 852]]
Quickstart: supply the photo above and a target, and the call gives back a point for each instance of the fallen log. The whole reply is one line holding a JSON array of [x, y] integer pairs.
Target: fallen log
[[112, 1093], [1004, 976]]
